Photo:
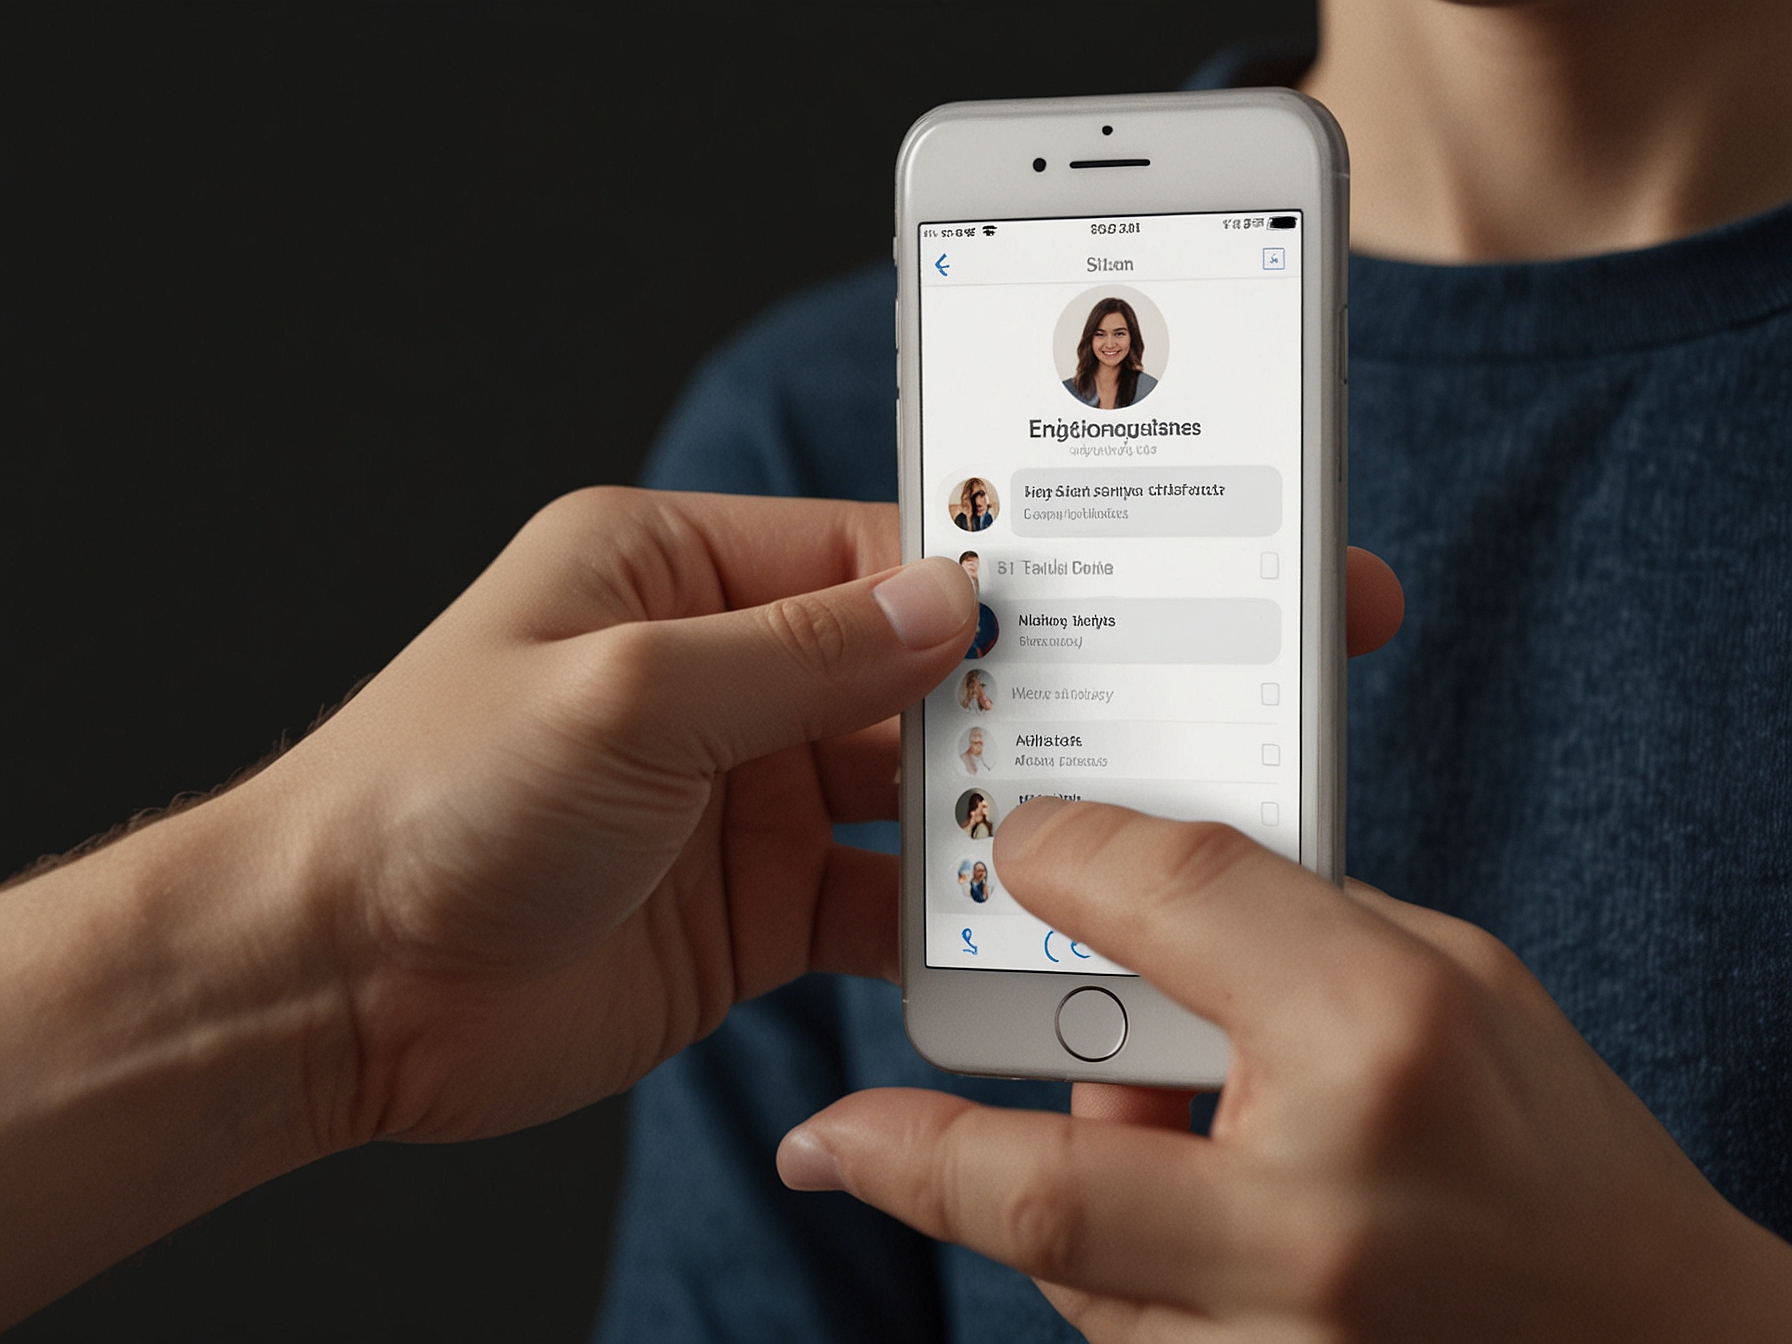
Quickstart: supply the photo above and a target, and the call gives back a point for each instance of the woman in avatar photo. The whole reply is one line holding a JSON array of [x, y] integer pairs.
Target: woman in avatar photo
[[1110, 372], [973, 691], [976, 816], [976, 507]]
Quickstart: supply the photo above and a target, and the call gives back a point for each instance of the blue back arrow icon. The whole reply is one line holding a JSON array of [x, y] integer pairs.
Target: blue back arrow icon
[[941, 264]]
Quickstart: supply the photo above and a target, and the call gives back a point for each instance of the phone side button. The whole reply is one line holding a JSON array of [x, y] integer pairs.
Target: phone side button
[[1091, 1024]]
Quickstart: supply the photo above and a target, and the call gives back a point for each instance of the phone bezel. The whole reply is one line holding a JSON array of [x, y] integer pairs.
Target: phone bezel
[[1243, 151]]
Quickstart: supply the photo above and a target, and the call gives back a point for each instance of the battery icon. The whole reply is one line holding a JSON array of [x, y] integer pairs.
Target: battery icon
[[1282, 221]]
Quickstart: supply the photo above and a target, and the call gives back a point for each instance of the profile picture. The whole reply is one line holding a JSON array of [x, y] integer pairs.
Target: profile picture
[[977, 691], [1109, 347], [973, 505], [972, 565], [975, 751], [975, 813], [974, 880], [988, 629]]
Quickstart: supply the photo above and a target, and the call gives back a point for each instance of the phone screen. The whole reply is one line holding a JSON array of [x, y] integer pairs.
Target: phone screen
[[1110, 417]]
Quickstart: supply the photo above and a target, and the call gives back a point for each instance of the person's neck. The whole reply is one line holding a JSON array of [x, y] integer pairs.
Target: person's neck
[[1558, 128]]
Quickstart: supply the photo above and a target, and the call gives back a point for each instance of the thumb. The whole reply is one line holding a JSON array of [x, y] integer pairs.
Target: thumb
[[727, 688]]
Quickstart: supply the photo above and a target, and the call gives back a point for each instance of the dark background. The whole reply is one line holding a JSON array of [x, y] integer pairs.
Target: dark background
[[306, 311]]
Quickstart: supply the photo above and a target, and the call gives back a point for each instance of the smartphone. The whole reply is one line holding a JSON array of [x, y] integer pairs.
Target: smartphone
[[1121, 356]]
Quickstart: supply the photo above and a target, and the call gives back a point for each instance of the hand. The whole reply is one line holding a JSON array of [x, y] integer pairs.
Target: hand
[[579, 817], [1413, 1143], [589, 808]]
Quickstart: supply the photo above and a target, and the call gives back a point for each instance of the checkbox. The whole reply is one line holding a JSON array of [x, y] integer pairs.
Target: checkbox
[[1272, 754], [1272, 814], [1270, 567], [1272, 692]]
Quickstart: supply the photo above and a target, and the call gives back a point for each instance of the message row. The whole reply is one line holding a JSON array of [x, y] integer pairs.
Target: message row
[[1140, 630], [1136, 748], [1228, 501]]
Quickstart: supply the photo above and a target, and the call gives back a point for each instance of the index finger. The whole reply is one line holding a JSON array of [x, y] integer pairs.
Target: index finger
[[1229, 930]]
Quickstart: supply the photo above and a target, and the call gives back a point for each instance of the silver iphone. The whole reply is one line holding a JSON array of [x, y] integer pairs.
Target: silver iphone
[[1121, 336]]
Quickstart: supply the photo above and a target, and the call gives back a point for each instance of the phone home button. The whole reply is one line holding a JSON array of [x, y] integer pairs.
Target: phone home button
[[1091, 1024]]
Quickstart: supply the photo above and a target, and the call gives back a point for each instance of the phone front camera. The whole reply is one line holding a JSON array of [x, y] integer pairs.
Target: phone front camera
[[1039, 165], [1107, 130]]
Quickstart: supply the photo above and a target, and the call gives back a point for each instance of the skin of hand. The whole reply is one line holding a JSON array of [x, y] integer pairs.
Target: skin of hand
[[584, 813], [596, 798], [1413, 1143]]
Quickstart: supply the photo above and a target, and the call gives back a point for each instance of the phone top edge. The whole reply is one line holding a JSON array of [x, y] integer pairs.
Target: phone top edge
[[1317, 118]]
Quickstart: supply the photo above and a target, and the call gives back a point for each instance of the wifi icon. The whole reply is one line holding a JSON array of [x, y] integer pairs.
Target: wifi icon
[[988, 229]]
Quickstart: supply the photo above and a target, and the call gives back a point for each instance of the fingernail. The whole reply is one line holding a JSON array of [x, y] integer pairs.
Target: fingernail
[[1020, 824], [927, 602], [804, 1164]]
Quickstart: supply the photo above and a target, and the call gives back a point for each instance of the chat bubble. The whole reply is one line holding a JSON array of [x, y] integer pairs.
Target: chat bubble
[[1238, 501], [1142, 630]]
